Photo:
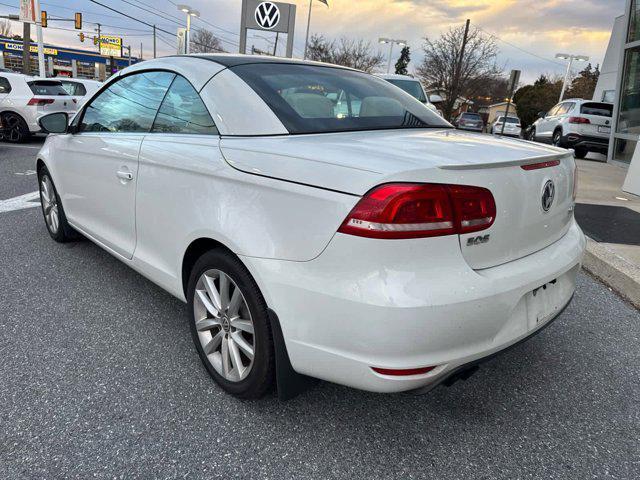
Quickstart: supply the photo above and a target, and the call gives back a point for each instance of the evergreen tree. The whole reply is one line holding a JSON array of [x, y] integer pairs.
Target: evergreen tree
[[403, 61]]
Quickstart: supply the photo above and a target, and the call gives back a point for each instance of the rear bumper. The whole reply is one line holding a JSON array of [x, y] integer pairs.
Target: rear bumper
[[364, 303], [470, 129], [593, 144]]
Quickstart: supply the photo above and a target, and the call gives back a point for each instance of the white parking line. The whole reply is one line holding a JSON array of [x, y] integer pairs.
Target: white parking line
[[20, 203]]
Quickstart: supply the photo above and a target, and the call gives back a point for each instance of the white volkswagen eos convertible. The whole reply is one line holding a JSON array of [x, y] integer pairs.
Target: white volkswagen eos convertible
[[318, 221]]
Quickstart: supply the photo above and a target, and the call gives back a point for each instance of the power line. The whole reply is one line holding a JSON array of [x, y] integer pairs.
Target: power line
[[519, 48]]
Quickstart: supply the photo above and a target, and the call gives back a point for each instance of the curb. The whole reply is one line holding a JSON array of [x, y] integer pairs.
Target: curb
[[613, 270]]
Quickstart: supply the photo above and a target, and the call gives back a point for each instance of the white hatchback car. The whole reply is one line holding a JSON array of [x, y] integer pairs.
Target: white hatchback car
[[80, 89], [23, 100], [372, 245]]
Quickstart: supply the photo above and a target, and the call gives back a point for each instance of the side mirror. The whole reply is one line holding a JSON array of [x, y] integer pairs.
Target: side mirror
[[542, 114], [55, 122]]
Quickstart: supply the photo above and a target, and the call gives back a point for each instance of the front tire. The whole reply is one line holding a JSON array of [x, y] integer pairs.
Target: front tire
[[557, 139], [52, 211], [230, 325], [17, 130]]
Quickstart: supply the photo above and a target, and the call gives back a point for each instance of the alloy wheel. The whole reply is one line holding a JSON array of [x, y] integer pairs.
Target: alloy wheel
[[49, 204], [556, 139], [224, 325], [14, 128]]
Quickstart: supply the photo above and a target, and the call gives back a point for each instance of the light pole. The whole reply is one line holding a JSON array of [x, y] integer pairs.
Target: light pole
[[571, 58], [391, 43], [190, 13], [306, 42]]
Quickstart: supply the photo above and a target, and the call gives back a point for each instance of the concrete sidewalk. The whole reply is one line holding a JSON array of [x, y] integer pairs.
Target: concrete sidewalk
[[611, 220]]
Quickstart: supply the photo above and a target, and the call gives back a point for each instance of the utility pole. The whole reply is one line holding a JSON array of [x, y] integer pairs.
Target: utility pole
[[129, 53], [99, 38], [456, 84], [513, 83], [154, 41], [140, 50], [26, 48]]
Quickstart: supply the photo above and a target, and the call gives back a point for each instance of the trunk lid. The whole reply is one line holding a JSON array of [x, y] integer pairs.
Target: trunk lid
[[354, 163]]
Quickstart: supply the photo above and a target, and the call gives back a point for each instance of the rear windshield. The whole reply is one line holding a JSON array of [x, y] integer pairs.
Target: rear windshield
[[47, 87], [412, 87], [471, 116], [599, 109], [510, 120], [317, 99], [74, 88]]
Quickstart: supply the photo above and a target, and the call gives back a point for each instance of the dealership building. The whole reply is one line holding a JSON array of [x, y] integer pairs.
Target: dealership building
[[62, 61]]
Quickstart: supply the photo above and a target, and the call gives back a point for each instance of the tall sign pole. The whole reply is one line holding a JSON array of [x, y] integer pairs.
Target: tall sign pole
[[26, 48], [41, 66]]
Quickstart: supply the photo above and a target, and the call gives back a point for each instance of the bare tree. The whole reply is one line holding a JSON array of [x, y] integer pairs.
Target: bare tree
[[205, 41], [347, 52], [442, 60], [5, 28]]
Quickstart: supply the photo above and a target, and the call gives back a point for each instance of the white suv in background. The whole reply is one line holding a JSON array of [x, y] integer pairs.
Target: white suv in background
[[583, 125], [410, 85], [24, 99]]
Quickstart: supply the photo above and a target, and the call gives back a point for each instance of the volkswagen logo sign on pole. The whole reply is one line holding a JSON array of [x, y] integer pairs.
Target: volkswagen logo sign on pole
[[267, 16]]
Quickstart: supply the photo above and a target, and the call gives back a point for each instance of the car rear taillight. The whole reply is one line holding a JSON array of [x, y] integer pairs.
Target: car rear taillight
[[40, 101], [418, 210], [402, 372], [579, 120]]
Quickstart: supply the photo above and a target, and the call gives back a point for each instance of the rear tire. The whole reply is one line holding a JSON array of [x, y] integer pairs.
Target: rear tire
[[237, 336], [52, 211], [17, 130], [581, 153]]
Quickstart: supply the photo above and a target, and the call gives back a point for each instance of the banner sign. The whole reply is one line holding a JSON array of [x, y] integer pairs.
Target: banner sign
[[17, 47], [110, 46]]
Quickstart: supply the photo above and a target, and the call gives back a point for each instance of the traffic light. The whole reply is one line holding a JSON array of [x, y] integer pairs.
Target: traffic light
[[81, 35], [78, 21], [43, 18]]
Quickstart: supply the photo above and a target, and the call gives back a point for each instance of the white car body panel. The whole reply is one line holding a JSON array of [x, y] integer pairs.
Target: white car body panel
[[345, 303]]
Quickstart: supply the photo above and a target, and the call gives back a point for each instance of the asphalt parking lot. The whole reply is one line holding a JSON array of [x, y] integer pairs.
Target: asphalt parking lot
[[98, 378]]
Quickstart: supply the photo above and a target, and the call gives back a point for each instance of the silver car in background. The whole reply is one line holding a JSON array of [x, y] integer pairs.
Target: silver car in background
[[512, 127]]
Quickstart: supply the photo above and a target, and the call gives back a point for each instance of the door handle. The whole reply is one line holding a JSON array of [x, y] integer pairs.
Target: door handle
[[124, 175]]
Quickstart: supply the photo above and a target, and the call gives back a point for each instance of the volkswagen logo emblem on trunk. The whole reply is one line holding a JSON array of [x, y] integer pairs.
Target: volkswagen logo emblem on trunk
[[267, 15], [548, 194]]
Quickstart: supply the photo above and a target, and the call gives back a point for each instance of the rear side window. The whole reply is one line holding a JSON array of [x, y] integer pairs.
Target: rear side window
[[599, 109], [5, 86], [183, 111], [565, 108], [74, 88], [127, 105], [47, 87]]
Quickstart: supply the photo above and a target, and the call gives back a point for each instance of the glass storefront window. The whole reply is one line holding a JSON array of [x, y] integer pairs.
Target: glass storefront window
[[629, 116], [634, 23], [623, 150]]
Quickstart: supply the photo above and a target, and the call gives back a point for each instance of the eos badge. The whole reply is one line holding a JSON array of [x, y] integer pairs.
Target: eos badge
[[267, 15], [478, 240]]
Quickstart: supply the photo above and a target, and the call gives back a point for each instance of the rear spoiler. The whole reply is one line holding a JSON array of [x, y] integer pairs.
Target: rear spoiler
[[510, 163]]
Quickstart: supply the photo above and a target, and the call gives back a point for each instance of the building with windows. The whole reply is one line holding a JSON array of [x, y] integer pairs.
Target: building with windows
[[622, 62], [62, 61]]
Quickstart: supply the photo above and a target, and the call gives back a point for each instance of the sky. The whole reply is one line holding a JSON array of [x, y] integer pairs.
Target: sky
[[528, 32]]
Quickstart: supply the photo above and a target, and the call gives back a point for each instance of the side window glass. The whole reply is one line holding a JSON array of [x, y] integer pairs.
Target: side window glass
[[128, 105], [554, 111], [5, 86], [183, 111]]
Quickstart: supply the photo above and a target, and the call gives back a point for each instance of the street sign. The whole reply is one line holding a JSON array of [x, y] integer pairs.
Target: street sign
[[110, 46], [28, 11], [514, 79]]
